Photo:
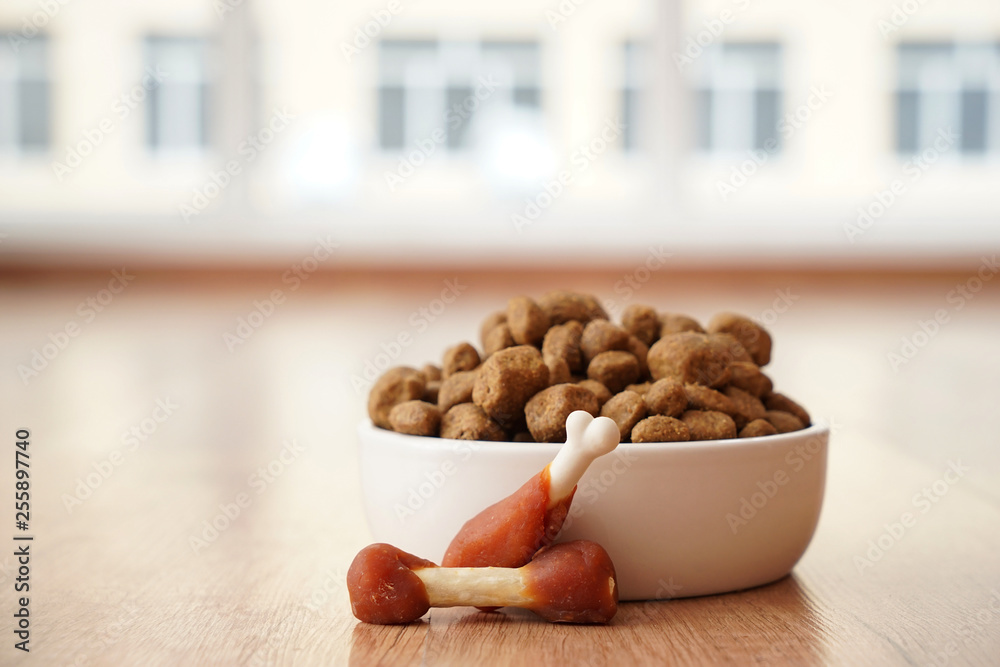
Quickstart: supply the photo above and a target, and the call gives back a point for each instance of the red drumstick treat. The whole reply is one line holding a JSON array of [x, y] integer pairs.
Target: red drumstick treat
[[572, 582], [509, 532]]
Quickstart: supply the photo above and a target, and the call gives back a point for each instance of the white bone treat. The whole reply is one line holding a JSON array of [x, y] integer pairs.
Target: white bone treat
[[587, 438]]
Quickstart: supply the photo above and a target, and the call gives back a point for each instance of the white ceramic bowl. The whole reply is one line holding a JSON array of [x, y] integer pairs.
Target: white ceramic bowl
[[678, 519]]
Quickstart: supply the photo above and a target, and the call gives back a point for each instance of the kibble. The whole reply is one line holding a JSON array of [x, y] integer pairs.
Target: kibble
[[660, 428], [415, 418], [626, 409], [396, 386], [547, 410]]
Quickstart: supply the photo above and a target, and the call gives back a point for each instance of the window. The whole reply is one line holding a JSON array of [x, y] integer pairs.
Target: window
[[738, 93], [632, 83], [426, 85], [24, 94], [944, 86], [177, 113]]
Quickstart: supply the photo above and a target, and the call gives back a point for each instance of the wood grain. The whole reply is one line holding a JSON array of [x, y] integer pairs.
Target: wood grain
[[116, 579]]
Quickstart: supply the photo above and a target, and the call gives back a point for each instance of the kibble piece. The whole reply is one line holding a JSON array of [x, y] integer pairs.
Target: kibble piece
[[527, 321], [640, 388], [672, 323], [642, 322], [709, 425], [396, 385], [558, 371], [600, 336], [703, 398], [456, 389], [690, 358], [626, 409], [602, 393], [507, 380], [615, 369], [758, 428], [562, 306], [641, 353], [494, 320], [747, 407], [415, 418], [784, 422], [660, 428], [467, 421], [666, 397], [431, 372], [461, 357], [748, 377], [776, 401], [563, 341], [730, 347], [432, 390], [547, 410], [499, 338], [750, 334]]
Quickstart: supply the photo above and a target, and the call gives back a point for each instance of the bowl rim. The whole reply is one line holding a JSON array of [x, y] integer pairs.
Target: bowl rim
[[816, 429]]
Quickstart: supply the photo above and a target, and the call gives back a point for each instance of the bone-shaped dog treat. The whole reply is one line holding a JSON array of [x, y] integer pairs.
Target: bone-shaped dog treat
[[571, 583], [509, 532]]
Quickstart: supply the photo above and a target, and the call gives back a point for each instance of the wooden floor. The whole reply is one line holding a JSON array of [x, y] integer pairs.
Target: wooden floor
[[127, 569]]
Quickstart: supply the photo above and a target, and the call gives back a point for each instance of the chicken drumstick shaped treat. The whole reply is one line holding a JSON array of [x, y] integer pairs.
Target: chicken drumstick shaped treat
[[572, 582], [508, 533]]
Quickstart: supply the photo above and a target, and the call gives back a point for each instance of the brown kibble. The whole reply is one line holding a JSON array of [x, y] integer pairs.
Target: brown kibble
[[666, 397], [431, 372], [415, 418], [547, 410], [562, 306], [776, 401], [709, 425], [467, 421], [730, 347], [660, 428], [614, 369], [601, 336], [527, 321], [748, 377], [602, 393], [499, 338], [558, 371], [672, 323], [690, 358], [456, 389], [461, 357], [642, 322], [626, 409], [750, 334], [747, 407], [396, 385], [640, 388], [703, 398], [563, 340], [432, 390], [494, 320], [507, 380], [641, 354], [758, 428], [784, 422]]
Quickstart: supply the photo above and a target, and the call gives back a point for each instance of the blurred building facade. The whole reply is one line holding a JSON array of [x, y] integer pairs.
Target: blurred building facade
[[643, 113]]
